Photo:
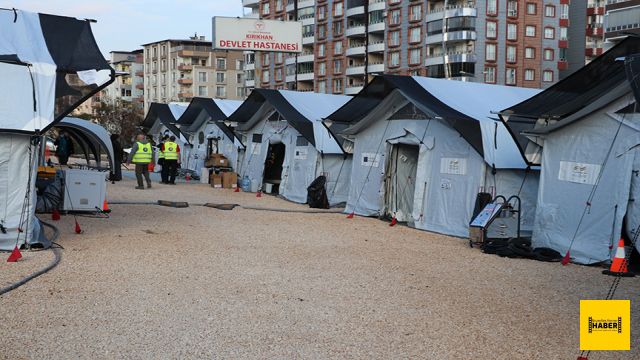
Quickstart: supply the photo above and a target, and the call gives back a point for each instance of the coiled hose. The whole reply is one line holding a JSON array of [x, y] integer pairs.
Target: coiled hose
[[56, 260]]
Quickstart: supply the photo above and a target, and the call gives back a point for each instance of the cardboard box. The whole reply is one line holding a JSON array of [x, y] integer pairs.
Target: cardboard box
[[217, 160], [229, 180], [216, 181]]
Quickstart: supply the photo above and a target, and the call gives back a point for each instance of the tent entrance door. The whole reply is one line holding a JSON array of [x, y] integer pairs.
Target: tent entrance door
[[273, 166], [401, 181]]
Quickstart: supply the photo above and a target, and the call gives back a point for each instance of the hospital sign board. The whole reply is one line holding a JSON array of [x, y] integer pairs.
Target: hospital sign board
[[256, 35]]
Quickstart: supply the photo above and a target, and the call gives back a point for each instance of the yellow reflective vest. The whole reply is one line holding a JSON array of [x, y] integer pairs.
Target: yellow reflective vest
[[143, 155], [170, 151]]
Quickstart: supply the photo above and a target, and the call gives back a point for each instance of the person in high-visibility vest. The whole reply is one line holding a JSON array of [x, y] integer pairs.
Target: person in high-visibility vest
[[141, 155], [171, 152], [164, 174]]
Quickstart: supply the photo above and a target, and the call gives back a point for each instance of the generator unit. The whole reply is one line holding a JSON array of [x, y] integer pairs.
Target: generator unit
[[84, 190]]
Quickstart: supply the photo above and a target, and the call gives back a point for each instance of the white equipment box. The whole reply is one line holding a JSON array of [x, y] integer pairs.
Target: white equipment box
[[84, 190]]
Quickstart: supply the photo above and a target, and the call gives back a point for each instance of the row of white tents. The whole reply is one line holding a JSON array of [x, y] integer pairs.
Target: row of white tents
[[421, 149]]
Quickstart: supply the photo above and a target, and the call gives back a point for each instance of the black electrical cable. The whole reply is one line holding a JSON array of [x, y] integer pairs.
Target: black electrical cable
[[56, 260]]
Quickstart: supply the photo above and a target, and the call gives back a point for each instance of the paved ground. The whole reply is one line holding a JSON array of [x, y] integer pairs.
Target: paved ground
[[156, 282]]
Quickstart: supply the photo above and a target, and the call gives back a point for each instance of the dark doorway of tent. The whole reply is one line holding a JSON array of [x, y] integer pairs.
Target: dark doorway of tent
[[273, 168], [401, 181]]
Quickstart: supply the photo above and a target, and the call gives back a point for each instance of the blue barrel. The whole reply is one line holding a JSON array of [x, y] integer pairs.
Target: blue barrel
[[245, 184]]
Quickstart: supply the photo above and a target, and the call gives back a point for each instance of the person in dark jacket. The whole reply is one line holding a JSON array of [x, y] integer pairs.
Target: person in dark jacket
[[64, 148], [116, 172]]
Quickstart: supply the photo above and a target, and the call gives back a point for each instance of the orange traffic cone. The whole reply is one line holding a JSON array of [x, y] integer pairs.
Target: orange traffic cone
[[393, 221], [15, 255], [151, 167], [47, 153], [78, 230], [55, 215], [350, 216], [619, 264], [105, 207], [237, 189], [566, 259], [259, 194]]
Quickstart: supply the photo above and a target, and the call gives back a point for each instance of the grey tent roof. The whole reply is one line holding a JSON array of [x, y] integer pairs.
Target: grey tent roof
[[92, 137], [604, 76], [161, 112], [202, 110]]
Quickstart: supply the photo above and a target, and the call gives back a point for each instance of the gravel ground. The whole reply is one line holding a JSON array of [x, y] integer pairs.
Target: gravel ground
[[155, 282]]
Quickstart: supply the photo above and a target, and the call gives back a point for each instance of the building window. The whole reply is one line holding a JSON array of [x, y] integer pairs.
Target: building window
[[265, 9], [415, 13], [492, 7], [531, 8], [337, 66], [278, 75], [511, 54], [322, 86], [337, 9], [337, 28], [321, 50], [549, 33], [529, 75], [394, 38], [512, 32], [490, 52], [202, 91], [322, 12], [492, 29], [322, 69], [510, 76], [240, 92], [394, 59], [415, 56], [322, 31], [221, 63], [155, 52], [279, 5], [279, 58], [564, 11], [550, 11], [202, 76], [265, 76], [221, 91], [547, 76], [337, 85], [337, 48], [548, 54], [394, 17], [220, 77], [530, 31], [530, 53], [563, 33], [173, 64], [415, 35], [265, 59], [239, 78], [512, 8], [490, 75]]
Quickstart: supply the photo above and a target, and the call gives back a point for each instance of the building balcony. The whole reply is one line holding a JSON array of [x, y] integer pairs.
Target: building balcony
[[139, 99], [563, 44], [593, 51], [185, 81], [358, 10], [452, 36], [353, 89], [185, 67], [301, 5], [451, 57], [290, 78], [375, 5], [355, 70], [249, 66], [595, 31], [139, 73], [377, 27], [250, 83], [596, 10], [376, 47], [354, 30], [563, 64], [356, 51], [306, 58], [306, 76], [185, 95], [375, 68], [306, 21], [193, 53], [140, 86], [251, 3], [452, 11], [307, 40]]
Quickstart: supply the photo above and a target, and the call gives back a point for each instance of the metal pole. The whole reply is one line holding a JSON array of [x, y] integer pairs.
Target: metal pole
[[295, 17], [366, 42], [444, 42]]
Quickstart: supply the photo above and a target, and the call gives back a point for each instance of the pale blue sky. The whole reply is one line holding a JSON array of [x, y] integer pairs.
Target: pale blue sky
[[126, 24]]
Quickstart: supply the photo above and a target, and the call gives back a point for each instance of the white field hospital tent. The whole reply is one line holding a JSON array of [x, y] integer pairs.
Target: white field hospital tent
[[203, 124], [423, 148], [48, 66], [585, 133], [161, 120], [284, 131]]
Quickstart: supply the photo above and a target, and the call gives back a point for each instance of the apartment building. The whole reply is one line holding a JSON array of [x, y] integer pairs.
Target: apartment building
[[251, 11], [129, 84], [178, 70], [609, 21], [346, 42]]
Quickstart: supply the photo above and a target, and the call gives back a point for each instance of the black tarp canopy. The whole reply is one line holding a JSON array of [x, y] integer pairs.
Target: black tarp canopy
[[202, 110], [162, 113]]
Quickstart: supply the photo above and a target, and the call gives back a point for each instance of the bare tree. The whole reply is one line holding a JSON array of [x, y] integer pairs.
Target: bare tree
[[122, 118]]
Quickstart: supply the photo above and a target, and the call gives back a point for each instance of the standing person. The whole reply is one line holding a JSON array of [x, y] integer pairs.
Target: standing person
[[164, 174], [171, 152], [63, 148], [116, 172], [141, 155]]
